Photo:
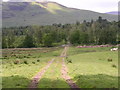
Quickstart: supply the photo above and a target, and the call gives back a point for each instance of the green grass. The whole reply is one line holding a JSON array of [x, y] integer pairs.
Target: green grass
[[74, 50], [90, 67], [19, 75], [52, 78], [15, 74]]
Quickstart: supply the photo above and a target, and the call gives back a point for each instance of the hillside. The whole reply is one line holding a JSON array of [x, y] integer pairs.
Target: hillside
[[45, 13], [114, 13]]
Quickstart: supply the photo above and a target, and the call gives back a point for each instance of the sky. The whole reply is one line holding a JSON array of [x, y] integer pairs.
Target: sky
[[101, 6]]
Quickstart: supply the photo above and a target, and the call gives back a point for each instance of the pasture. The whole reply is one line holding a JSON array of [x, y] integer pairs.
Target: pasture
[[87, 67], [93, 67], [20, 65]]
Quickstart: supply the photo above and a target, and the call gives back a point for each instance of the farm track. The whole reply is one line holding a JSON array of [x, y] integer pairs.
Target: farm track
[[64, 73], [36, 78]]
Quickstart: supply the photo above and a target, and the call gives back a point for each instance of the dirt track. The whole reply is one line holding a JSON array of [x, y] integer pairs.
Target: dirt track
[[64, 73], [37, 77]]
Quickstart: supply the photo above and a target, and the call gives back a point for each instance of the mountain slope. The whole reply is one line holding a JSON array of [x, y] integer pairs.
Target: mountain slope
[[114, 13], [45, 13]]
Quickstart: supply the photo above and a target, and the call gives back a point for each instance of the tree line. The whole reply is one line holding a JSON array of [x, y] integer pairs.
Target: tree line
[[97, 32]]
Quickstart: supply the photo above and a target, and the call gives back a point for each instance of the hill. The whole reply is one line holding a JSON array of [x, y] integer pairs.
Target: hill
[[114, 13], [45, 13]]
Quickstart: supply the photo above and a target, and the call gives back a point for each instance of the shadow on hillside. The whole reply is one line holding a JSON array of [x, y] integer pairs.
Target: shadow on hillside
[[83, 81], [96, 81]]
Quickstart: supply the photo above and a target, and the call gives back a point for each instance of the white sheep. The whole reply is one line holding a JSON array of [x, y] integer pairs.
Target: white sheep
[[114, 49]]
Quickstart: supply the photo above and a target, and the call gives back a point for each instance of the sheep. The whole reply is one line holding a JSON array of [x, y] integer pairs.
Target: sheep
[[114, 49]]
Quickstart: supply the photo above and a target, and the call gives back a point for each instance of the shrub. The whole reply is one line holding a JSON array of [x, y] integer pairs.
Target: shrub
[[24, 56], [109, 60], [12, 75], [38, 60], [17, 84], [114, 66], [25, 62], [69, 61], [33, 62], [29, 55], [5, 56]]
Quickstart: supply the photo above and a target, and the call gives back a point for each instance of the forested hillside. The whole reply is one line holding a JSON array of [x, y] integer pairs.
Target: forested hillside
[[100, 31]]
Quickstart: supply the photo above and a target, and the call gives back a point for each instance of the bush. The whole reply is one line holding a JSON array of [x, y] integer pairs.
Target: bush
[[114, 66], [38, 60], [69, 61], [26, 57], [25, 62], [5, 56], [17, 84], [33, 62], [109, 60], [29, 55], [20, 57]]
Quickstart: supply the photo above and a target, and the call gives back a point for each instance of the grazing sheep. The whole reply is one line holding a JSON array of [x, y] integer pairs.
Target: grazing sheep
[[114, 49]]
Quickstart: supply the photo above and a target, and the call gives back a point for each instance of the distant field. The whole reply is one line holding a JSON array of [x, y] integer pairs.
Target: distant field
[[88, 67], [91, 68]]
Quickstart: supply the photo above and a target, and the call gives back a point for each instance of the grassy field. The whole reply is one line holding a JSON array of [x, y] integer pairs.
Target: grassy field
[[89, 67], [52, 78], [93, 67], [20, 66]]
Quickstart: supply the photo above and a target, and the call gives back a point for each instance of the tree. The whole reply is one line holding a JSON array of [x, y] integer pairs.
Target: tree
[[28, 42], [37, 36], [84, 38], [4, 44], [100, 31], [10, 38], [47, 40], [75, 37]]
